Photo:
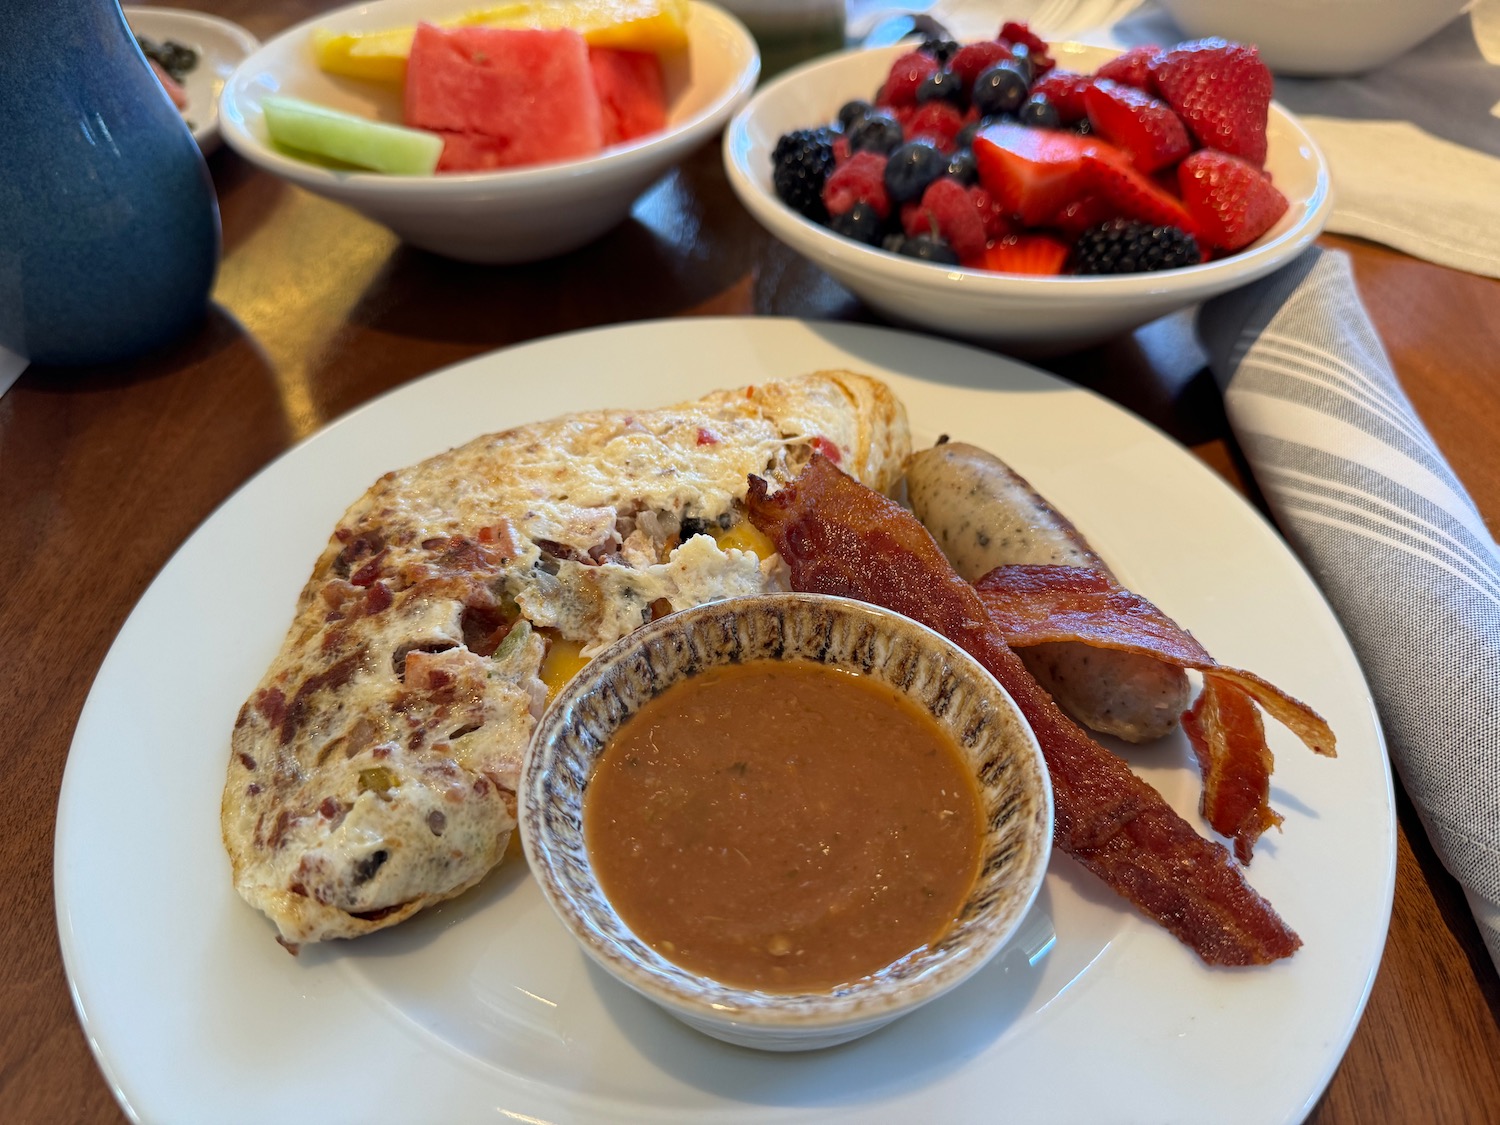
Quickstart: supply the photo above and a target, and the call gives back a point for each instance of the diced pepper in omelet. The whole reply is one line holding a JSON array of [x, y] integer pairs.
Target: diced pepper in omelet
[[659, 26]]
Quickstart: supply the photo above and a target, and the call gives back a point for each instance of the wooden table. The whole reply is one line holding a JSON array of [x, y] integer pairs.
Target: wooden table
[[104, 472]]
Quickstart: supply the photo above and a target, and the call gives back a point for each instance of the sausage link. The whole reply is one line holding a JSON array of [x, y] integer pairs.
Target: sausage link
[[984, 514]]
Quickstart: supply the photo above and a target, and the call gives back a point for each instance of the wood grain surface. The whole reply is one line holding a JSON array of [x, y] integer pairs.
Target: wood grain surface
[[104, 473]]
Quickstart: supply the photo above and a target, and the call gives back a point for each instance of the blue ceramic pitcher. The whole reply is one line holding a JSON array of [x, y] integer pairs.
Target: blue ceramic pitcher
[[109, 227]]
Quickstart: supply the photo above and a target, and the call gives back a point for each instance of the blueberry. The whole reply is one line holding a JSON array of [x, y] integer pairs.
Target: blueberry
[[878, 132], [941, 86], [929, 248], [1000, 89], [1039, 113], [860, 223], [1020, 55], [1083, 127], [940, 49], [910, 168], [963, 167], [851, 113], [893, 242]]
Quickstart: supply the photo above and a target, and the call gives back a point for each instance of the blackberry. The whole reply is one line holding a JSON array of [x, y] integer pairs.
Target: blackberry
[[800, 165], [1127, 246]]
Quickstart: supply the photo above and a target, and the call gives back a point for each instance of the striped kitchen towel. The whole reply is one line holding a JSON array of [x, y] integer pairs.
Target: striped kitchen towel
[[1364, 496]]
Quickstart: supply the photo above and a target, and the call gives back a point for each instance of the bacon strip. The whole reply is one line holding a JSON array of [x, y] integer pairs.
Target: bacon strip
[[838, 537], [1229, 741], [1042, 604]]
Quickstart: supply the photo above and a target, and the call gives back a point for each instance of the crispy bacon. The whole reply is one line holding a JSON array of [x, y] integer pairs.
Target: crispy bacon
[[1042, 604], [1229, 741], [838, 537]]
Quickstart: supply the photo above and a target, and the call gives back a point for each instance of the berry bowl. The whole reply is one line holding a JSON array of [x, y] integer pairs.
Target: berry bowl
[[837, 810], [499, 217], [1037, 314]]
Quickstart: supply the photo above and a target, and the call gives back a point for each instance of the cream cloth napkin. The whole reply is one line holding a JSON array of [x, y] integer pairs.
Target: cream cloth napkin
[[1362, 493]]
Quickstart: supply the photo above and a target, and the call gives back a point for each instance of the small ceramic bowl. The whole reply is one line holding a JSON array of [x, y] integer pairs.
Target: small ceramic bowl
[[1016, 797], [1318, 37], [1036, 314], [515, 215]]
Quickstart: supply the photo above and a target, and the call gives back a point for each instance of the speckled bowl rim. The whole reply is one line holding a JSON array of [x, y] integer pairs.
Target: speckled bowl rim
[[1007, 886]]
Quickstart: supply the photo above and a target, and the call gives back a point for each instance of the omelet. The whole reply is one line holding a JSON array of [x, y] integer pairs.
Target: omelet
[[373, 770]]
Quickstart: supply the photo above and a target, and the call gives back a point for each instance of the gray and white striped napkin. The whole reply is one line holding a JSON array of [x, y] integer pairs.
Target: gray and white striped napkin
[[1364, 496]]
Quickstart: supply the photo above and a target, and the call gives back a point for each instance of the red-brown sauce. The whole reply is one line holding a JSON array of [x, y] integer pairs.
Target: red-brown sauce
[[783, 825]]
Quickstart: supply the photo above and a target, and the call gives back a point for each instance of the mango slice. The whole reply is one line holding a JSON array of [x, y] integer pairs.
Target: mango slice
[[628, 25]]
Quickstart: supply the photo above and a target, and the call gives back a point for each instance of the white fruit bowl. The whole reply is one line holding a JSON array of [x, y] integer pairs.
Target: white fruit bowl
[[516, 215], [1028, 313]]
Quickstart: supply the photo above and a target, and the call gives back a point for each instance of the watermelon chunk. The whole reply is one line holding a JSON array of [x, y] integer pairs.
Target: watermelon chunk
[[503, 97], [632, 93]]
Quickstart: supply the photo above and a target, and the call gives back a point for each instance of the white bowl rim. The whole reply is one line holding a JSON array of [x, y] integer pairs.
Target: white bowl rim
[[251, 148], [1254, 261], [831, 1012]]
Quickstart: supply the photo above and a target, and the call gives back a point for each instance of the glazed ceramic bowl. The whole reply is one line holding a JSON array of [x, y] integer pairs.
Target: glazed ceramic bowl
[[1015, 793], [1033, 314], [1318, 37], [515, 215]]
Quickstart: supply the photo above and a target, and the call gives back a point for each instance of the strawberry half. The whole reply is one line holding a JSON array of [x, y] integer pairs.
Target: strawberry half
[[1110, 174], [1231, 201], [1144, 127], [1084, 213], [1222, 91], [1133, 68], [1032, 173], [1026, 253]]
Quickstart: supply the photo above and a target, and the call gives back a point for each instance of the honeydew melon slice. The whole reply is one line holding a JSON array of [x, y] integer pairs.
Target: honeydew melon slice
[[659, 26], [334, 135]]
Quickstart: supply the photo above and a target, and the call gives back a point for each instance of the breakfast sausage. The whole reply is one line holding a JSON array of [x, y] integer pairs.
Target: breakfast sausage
[[984, 514]]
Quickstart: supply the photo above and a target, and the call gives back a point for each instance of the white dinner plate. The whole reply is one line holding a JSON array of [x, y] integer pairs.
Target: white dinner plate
[[484, 1009], [221, 46]]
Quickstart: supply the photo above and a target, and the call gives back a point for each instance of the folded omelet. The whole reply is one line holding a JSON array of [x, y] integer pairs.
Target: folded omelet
[[373, 770]]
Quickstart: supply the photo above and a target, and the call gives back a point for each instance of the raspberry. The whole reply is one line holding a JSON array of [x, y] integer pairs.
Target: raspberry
[[954, 217], [860, 178], [907, 73], [1013, 32], [800, 164], [1124, 246], [938, 122], [973, 59]]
